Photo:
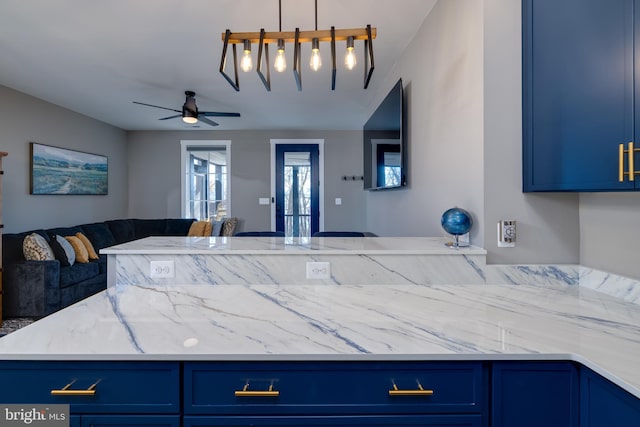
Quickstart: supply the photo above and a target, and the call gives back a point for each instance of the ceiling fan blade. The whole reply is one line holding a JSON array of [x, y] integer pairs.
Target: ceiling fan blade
[[171, 117], [217, 114], [207, 121], [157, 106]]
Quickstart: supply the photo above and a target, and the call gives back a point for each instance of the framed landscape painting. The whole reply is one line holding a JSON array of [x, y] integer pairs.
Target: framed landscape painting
[[61, 171]]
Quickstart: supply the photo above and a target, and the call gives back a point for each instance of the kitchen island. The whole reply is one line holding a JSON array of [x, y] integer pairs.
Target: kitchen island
[[216, 352], [348, 322]]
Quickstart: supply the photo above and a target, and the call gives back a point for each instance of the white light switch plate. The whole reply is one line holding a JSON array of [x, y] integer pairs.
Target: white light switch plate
[[506, 234]]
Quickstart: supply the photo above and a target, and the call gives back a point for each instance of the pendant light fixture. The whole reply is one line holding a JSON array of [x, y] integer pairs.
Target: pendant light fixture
[[296, 38], [316, 61]]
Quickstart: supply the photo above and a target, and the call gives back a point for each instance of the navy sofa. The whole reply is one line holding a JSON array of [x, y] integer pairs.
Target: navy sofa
[[38, 288]]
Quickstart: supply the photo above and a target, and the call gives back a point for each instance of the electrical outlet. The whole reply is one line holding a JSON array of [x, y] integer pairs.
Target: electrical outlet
[[162, 269], [506, 234], [318, 270]]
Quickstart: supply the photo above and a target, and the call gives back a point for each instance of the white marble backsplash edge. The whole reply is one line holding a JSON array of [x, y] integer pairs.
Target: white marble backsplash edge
[[611, 284]]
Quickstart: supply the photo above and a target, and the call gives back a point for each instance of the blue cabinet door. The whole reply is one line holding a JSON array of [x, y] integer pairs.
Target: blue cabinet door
[[604, 404], [535, 394], [578, 93]]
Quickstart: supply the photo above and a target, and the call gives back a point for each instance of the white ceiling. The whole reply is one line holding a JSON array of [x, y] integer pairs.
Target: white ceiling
[[96, 57]]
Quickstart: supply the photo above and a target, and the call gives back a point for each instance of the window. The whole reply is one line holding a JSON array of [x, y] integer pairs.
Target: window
[[205, 179]]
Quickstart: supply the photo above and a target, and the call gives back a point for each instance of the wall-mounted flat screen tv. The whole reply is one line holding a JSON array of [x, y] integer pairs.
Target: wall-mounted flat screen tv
[[385, 144]]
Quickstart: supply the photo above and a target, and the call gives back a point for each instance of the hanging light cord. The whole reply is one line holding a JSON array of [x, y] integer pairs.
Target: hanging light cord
[[280, 14], [316, 15]]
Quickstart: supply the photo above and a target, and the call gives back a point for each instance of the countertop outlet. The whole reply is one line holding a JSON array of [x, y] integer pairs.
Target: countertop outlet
[[318, 270]]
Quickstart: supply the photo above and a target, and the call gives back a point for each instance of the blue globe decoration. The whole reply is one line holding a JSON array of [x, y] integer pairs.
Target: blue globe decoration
[[456, 221]]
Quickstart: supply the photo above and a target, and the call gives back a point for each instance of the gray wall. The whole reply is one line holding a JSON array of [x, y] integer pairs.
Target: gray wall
[[154, 187], [548, 224], [463, 78], [610, 232], [25, 119], [442, 71]]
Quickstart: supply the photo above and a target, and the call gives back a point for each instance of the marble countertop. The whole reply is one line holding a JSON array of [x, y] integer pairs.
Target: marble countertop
[[340, 322], [289, 246]]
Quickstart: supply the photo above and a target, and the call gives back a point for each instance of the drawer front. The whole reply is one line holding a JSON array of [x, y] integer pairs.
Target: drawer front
[[93, 387], [339, 421], [334, 388], [130, 421]]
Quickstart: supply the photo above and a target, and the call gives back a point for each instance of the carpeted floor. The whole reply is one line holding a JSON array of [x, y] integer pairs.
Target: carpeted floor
[[10, 325]]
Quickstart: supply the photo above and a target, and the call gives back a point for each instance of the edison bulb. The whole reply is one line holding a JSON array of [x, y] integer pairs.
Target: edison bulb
[[350, 57], [316, 62], [280, 64], [246, 64]]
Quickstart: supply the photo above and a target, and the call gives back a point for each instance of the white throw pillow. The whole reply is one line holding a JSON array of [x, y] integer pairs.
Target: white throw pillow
[[36, 248]]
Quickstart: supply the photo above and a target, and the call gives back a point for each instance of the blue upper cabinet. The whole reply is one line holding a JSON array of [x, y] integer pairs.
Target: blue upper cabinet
[[579, 94]]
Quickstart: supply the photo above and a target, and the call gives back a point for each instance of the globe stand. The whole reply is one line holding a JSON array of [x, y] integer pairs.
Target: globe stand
[[456, 243], [456, 222]]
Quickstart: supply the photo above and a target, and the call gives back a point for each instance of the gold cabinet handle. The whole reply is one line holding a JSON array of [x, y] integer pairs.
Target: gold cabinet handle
[[419, 392], [621, 152], [630, 151], [66, 391], [245, 392], [632, 169]]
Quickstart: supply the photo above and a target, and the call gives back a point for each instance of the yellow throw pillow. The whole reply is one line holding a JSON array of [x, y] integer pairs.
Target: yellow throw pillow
[[79, 248], [87, 244], [199, 229]]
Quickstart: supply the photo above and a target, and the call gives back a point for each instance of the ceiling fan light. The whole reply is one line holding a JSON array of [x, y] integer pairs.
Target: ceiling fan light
[[189, 116]]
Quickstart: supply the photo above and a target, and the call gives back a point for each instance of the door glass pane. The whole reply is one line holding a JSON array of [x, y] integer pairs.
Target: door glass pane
[[297, 194], [207, 177]]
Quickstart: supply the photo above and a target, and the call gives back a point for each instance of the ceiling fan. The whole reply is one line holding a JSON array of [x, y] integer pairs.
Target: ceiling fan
[[190, 113]]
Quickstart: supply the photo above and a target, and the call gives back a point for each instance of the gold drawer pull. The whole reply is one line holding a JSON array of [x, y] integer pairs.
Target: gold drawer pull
[[245, 392], [66, 391], [419, 392]]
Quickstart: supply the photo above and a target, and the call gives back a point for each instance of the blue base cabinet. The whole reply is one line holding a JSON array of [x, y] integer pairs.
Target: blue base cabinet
[[322, 393], [579, 94], [604, 404], [533, 394], [339, 421]]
